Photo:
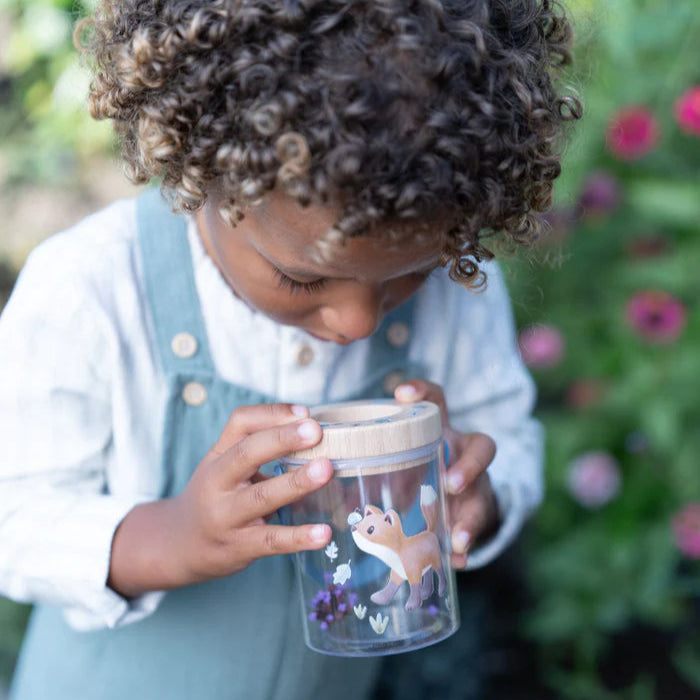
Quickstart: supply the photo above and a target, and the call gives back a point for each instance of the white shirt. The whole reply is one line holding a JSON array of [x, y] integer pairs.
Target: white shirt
[[82, 401]]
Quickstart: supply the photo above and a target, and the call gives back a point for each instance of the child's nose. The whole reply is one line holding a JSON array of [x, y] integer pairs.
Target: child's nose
[[355, 313]]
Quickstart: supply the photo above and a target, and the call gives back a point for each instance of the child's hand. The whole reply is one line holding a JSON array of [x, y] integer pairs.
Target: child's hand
[[473, 511], [217, 525]]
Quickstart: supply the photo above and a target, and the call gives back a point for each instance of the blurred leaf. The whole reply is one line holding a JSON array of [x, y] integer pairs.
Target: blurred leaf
[[665, 202], [686, 658]]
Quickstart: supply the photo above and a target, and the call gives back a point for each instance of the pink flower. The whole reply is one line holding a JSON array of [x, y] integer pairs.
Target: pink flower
[[541, 346], [600, 194], [687, 109], [656, 316], [648, 246], [584, 392], [594, 479], [632, 133], [686, 530]]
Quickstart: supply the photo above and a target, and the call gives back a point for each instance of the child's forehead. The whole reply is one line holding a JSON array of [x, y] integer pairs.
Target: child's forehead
[[304, 240]]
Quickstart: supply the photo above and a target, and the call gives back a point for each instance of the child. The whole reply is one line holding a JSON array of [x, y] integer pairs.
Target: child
[[337, 167]]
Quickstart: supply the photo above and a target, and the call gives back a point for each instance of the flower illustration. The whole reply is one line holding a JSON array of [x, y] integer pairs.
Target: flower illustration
[[360, 611], [656, 316], [330, 604], [686, 530], [594, 479], [541, 345], [332, 550], [342, 574], [687, 110], [632, 133], [379, 623]]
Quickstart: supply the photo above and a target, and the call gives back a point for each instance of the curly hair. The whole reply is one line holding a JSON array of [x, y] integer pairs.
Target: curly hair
[[397, 109]]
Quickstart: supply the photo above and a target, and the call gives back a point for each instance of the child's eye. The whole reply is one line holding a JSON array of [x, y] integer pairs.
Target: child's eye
[[294, 286]]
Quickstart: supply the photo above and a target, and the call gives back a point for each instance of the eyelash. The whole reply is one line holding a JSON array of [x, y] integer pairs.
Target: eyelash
[[294, 286]]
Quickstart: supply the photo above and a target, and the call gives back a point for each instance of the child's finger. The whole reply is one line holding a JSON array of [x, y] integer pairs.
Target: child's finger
[[266, 540], [245, 457], [422, 390], [475, 516], [463, 535], [266, 496], [476, 453], [248, 419]]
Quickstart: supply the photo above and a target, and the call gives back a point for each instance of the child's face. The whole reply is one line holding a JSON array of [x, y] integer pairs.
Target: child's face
[[271, 261]]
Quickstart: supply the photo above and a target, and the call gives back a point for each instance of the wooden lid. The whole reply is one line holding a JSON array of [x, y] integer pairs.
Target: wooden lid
[[361, 429]]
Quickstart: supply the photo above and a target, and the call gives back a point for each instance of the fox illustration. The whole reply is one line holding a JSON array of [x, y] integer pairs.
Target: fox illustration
[[411, 559]]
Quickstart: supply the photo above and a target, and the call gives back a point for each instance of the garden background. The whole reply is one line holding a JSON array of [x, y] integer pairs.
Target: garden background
[[606, 306]]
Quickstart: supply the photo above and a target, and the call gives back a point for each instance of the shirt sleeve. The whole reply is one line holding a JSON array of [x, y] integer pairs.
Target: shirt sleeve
[[57, 519], [489, 390]]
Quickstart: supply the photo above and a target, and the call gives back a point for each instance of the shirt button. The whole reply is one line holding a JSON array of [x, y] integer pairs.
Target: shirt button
[[398, 334], [391, 381], [184, 345], [304, 356], [194, 393]]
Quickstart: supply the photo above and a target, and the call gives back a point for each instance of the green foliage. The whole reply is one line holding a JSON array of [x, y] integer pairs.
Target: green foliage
[[598, 571], [46, 128], [13, 619]]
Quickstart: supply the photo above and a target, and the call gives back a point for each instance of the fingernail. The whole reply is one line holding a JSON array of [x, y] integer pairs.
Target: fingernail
[[301, 411], [455, 482], [460, 541], [307, 430], [319, 532], [317, 471], [405, 392]]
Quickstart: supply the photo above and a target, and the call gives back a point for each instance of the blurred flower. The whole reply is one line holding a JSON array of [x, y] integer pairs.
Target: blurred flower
[[656, 316], [687, 110], [600, 194], [556, 224], [584, 392], [636, 442], [541, 345], [594, 479], [632, 133], [686, 530], [649, 246]]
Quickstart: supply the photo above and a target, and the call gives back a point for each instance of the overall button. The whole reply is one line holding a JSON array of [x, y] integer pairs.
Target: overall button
[[184, 345], [304, 356], [398, 334], [194, 393], [391, 381]]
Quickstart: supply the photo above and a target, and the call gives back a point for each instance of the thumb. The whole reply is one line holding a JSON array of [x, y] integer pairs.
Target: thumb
[[422, 390]]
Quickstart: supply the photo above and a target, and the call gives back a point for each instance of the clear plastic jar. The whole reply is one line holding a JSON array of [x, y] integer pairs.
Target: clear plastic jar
[[384, 584]]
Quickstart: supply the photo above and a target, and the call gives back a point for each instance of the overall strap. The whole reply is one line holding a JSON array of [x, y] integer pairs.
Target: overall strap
[[170, 286]]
